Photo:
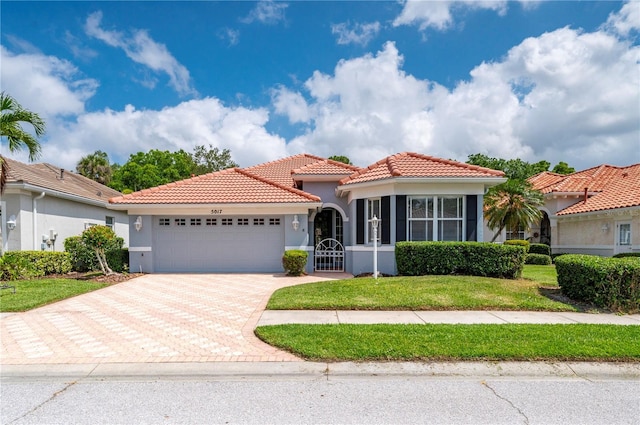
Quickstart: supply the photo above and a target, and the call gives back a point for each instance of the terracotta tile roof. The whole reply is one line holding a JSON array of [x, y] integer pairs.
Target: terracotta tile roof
[[326, 167], [279, 171], [230, 186], [545, 180], [48, 176], [409, 164], [617, 187]]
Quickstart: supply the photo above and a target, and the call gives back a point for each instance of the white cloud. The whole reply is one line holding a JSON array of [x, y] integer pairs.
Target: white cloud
[[357, 33], [564, 96], [230, 35], [267, 12], [45, 84], [626, 20], [290, 104], [439, 14], [142, 49]]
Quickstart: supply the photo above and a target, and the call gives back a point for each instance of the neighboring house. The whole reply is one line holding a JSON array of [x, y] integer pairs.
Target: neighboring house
[[595, 211], [42, 205], [243, 219]]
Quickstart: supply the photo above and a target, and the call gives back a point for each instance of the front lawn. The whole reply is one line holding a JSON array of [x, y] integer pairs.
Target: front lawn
[[38, 292], [424, 293], [383, 342]]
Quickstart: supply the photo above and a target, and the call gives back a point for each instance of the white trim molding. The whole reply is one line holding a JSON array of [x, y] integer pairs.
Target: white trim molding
[[140, 249]]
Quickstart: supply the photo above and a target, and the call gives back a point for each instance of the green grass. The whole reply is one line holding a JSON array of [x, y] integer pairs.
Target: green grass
[[573, 342], [38, 292], [424, 293]]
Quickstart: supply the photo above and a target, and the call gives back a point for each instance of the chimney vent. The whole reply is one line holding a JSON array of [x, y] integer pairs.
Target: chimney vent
[[61, 173]]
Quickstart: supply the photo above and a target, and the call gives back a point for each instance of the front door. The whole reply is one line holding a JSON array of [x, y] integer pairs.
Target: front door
[[623, 237]]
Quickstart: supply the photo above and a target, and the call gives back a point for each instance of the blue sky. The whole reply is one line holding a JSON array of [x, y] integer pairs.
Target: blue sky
[[549, 80]]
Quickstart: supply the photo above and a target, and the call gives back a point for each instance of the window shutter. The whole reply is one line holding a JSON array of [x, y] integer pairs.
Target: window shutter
[[385, 212], [401, 218], [472, 217], [360, 221]]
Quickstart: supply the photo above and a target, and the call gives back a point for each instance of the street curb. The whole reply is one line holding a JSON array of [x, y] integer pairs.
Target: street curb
[[590, 371]]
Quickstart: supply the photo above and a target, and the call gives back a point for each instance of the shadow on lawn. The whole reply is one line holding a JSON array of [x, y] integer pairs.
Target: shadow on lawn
[[555, 294]]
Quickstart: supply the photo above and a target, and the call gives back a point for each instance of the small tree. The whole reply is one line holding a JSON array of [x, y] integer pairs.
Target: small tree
[[101, 239]]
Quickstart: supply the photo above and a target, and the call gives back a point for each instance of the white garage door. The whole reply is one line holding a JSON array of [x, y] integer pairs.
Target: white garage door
[[218, 244]]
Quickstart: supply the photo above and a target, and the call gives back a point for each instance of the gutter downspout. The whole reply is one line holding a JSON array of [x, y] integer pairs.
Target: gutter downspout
[[35, 223]]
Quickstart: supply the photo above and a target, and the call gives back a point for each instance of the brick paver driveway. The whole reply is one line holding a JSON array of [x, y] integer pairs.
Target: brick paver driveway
[[153, 318]]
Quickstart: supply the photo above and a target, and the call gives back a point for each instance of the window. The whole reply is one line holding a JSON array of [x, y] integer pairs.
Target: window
[[227, 222], [258, 221], [517, 233], [450, 218], [109, 221], [274, 222], [624, 234], [243, 222], [196, 221], [164, 222], [212, 222], [180, 222], [373, 208], [435, 218]]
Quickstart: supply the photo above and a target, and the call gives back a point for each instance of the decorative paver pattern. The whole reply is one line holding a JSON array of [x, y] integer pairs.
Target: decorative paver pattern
[[153, 318]]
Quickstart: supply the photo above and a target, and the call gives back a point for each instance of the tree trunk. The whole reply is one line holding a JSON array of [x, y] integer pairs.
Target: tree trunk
[[497, 233], [100, 261]]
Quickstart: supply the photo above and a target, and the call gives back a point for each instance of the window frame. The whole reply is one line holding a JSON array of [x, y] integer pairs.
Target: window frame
[[434, 217]]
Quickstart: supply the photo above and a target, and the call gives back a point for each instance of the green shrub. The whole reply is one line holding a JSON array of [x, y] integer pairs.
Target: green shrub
[[294, 262], [518, 242], [540, 248], [613, 283], [467, 258], [627, 254], [538, 259], [31, 264], [84, 258]]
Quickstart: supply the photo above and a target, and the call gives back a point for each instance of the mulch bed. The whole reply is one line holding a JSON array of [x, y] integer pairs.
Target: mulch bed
[[98, 277]]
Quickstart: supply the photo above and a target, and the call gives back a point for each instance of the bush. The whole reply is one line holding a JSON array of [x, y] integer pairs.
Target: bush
[[613, 283], [538, 259], [83, 258], [31, 264], [540, 248], [627, 254], [518, 242], [294, 262], [468, 258]]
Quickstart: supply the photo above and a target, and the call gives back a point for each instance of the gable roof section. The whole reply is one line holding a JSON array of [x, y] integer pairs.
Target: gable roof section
[[616, 187], [279, 171], [231, 186], [326, 167], [47, 176], [409, 164]]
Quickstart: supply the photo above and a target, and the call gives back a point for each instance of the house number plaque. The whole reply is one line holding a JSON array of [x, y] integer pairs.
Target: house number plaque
[[216, 212]]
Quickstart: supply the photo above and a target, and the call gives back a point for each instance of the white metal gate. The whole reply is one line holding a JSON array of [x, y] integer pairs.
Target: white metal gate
[[329, 256]]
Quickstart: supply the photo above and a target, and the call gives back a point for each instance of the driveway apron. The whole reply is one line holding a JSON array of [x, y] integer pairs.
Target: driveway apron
[[153, 318]]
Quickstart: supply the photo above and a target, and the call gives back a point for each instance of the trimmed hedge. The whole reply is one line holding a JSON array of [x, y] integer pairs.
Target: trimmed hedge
[[538, 259], [294, 262], [518, 242], [83, 258], [613, 283], [467, 258], [16, 265], [539, 248]]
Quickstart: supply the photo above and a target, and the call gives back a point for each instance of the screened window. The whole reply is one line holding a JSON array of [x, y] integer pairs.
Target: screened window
[[435, 218], [108, 221]]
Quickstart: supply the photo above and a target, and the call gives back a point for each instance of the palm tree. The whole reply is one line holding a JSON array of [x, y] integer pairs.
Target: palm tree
[[512, 205], [96, 167], [12, 115]]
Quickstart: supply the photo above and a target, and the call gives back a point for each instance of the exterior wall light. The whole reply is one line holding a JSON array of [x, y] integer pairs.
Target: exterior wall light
[[605, 228], [295, 223], [138, 223], [11, 223]]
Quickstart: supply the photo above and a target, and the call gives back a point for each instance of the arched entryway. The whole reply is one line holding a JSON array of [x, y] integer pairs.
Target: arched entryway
[[328, 240]]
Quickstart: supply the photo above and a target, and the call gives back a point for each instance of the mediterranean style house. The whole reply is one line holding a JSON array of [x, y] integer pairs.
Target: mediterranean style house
[[595, 211], [42, 205], [243, 219]]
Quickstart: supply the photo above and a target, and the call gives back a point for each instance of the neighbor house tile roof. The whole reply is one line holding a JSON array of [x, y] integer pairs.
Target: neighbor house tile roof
[[47, 176], [230, 186], [615, 187], [409, 164]]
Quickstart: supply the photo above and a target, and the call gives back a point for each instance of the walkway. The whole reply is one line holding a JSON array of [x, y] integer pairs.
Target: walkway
[[273, 317]]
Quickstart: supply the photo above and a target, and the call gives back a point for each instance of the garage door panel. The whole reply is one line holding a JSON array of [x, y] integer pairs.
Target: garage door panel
[[244, 248]]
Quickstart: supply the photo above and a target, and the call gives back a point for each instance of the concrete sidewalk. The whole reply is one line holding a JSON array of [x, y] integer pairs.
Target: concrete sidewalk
[[275, 317]]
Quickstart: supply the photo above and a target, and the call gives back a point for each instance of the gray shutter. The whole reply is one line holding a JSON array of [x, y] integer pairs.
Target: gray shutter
[[385, 211], [472, 217], [360, 221], [401, 218]]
